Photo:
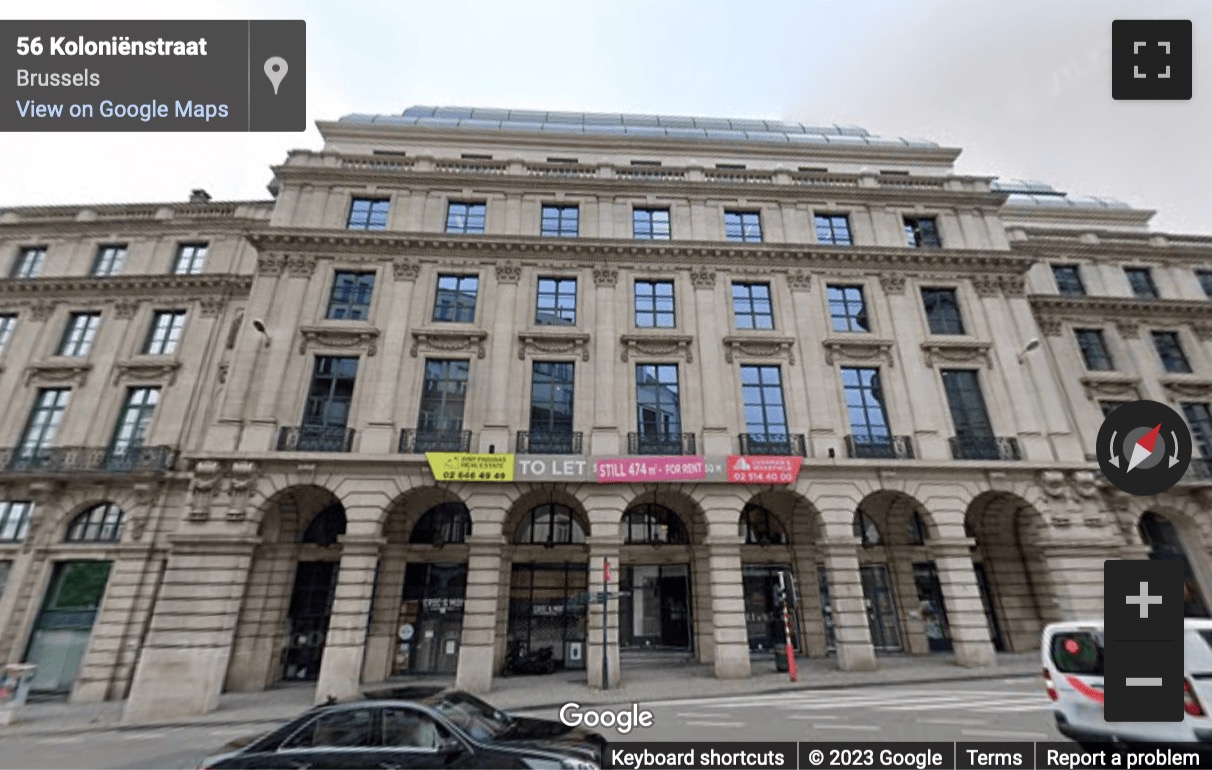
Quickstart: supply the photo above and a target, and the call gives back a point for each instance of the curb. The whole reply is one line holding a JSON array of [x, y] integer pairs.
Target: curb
[[9, 732]]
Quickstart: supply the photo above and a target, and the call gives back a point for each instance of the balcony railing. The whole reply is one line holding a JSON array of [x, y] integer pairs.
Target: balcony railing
[[786, 444], [984, 448], [424, 440], [138, 459], [879, 447], [315, 438], [660, 443], [547, 443]]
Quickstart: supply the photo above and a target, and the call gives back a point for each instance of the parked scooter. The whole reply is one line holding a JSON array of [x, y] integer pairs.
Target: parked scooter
[[520, 661]]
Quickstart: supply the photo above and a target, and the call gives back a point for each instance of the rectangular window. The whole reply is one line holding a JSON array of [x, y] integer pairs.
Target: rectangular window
[[134, 420], [5, 567], [556, 302], [551, 403], [78, 334], [1110, 405], [190, 258], [1199, 417], [350, 297], [368, 214], [8, 322], [751, 305], [560, 221], [329, 398], [868, 416], [658, 405], [847, 308], [833, 229], [743, 226], [922, 233], [466, 218], [29, 262], [109, 260], [650, 224], [654, 307], [456, 298], [1205, 281], [443, 396], [1094, 350], [943, 311], [43, 424], [165, 332], [1170, 351], [1141, 281], [974, 438], [14, 523], [1068, 280], [762, 397]]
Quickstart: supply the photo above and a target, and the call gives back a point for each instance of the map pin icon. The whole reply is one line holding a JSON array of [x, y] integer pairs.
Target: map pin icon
[[275, 70]]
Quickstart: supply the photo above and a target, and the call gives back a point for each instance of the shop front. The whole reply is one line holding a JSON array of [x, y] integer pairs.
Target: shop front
[[431, 618]]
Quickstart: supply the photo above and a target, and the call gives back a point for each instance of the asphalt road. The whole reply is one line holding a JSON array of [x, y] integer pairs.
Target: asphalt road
[[991, 710]]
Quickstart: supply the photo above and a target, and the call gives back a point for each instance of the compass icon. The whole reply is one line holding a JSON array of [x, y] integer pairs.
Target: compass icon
[[1144, 447]]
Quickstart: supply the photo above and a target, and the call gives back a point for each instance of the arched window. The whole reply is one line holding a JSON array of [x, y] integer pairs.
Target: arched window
[[652, 523], [444, 523], [326, 527], [866, 530], [99, 524], [760, 527], [918, 534], [550, 524]]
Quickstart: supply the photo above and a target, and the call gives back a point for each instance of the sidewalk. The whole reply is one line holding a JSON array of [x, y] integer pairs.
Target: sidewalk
[[260, 710]]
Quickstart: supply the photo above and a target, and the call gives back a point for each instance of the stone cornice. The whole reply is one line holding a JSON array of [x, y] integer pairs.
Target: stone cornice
[[1149, 248], [360, 245], [1194, 312], [28, 229], [186, 286]]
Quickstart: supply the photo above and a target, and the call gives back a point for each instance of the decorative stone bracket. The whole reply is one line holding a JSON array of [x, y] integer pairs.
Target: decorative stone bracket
[[754, 346], [58, 371], [147, 369], [859, 348], [1111, 385], [1186, 386], [958, 352], [449, 341], [552, 343], [339, 337], [657, 345]]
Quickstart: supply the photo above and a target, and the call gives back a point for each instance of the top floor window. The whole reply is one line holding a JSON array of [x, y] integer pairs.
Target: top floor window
[[1068, 280], [650, 224], [29, 262], [833, 229], [368, 214], [922, 232], [109, 260], [1141, 280], [190, 258], [466, 218], [743, 226], [560, 221]]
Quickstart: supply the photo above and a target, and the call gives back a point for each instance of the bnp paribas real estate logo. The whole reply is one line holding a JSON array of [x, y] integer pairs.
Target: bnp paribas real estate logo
[[1151, 59]]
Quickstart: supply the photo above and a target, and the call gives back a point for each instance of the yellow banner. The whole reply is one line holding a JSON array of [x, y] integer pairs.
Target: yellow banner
[[460, 466]]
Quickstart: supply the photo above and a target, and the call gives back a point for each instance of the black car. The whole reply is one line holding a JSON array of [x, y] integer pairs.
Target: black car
[[415, 727]]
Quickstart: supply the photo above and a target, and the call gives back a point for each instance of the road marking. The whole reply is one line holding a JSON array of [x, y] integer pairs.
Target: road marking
[[809, 716], [1022, 707], [868, 728], [1004, 733], [695, 715], [141, 735], [963, 722], [715, 724]]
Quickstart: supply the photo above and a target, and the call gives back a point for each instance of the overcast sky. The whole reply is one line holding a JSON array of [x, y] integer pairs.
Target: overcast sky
[[1023, 86]]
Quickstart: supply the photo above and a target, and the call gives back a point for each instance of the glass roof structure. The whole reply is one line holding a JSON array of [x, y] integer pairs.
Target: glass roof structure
[[1028, 192], [620, 124]]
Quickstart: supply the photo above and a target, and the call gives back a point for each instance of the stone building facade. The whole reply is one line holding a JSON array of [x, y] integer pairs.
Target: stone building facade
[[221, 416]]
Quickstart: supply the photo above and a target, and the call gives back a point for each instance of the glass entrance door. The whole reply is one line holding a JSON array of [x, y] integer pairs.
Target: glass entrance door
[[657, 612], [431, 618], [881, 609], [934, 611], [310, 605], [995, 629], [764, 618], [65, 623]]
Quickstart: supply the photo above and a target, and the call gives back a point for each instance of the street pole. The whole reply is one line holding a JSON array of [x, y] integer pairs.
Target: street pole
[[605, 623], [791, 672]]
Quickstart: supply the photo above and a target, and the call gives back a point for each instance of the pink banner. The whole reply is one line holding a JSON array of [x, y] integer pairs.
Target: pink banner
[[763, 469], [622, 470]]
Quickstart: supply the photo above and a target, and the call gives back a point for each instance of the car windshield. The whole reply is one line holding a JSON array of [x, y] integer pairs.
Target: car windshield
[[1078, 652], [474, 716]]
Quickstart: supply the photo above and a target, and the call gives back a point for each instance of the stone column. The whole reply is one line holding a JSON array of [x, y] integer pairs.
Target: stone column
[[851, 631], [476, 653], [603, 549], [345, 644], [383, 640], [730, 635], [965, 613], [495, 430], [393, 313], [184, 660], [716, 418], [605, 436], [1074, 576], [929, 413], [812, 620]]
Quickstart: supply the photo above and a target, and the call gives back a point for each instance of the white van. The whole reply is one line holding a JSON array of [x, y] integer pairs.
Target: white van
[[1073, 676]]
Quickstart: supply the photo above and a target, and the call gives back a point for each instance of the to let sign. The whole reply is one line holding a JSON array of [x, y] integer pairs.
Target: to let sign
[[762, 469]]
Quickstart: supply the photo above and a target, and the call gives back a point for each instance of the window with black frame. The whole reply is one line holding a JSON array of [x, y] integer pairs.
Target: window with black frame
[[652, 523], [551, 408], [443, 398], [659, 410], [455, 300], [942, 310], [443, 524], [847, 308], [1093, 346], [350, 296], [751, 305], [550, 524], [869, 431], [556, 302], [759, 526]]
